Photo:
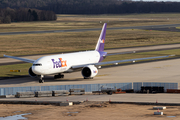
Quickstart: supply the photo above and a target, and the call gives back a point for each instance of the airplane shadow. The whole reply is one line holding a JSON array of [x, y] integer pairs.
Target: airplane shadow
[[29, 80], [63, 79]]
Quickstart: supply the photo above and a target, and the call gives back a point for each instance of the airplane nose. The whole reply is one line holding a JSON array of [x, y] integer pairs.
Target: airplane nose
[[37, 70]]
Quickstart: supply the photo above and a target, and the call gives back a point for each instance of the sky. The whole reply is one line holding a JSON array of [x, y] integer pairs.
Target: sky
[[160, 0]]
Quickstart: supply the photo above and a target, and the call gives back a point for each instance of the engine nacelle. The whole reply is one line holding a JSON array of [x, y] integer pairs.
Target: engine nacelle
[[31, 73], [89, 71]]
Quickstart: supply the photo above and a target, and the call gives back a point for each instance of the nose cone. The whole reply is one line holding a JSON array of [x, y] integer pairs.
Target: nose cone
[[37, 69]]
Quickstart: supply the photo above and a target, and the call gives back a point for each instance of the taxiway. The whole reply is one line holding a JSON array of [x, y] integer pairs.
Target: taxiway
[[156, 71]]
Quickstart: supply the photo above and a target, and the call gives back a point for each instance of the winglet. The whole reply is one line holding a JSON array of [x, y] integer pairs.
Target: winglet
[[101, 40]]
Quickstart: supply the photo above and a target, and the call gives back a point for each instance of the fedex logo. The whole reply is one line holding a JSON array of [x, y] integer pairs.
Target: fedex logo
[[60, 63], [102, 41]]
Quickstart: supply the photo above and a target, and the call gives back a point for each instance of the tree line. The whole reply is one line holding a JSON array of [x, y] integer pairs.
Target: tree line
[[93, 6], [8, 15], [113, 7]]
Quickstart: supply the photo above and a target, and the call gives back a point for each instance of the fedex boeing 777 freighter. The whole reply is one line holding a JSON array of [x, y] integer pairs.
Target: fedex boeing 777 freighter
[[87, 61]]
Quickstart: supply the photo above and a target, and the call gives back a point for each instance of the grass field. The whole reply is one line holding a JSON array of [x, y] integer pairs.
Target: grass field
[[92, 21], [5, 70], [78, 41]]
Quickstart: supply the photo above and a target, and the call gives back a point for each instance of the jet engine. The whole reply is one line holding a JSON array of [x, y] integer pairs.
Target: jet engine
[[89, 71], [31, 72]]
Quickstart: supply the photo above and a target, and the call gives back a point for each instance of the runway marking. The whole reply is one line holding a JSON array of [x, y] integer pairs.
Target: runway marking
[[102, 75]]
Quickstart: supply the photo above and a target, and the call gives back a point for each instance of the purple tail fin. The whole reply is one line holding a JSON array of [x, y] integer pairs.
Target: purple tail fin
[[101, 40]]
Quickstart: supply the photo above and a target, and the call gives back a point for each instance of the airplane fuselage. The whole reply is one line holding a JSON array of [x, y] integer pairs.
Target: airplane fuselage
[[62, 62]]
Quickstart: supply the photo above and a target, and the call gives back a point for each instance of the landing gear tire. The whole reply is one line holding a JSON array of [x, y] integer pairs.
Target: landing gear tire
[[41, 81], [88, 77], [62, 76], [58, 76]]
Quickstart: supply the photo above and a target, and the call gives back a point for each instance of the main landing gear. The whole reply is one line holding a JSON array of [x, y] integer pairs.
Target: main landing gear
[[58, 76], [55, 77], [88, 77], [41, 79]]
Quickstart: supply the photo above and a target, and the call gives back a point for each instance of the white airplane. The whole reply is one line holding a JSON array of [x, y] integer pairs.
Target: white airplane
[[87, 61]]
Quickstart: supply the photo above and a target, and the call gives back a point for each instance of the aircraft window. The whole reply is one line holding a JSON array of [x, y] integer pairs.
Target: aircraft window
[[37, 64]]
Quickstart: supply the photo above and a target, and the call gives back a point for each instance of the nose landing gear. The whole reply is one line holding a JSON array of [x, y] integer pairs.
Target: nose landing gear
[[55, 77], [41, 79]]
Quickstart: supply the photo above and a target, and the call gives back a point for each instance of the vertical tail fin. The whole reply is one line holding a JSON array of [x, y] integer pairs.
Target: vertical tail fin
[[101, 40]]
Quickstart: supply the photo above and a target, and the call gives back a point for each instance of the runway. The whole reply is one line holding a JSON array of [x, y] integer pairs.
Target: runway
[[91, 29], [157, 71]]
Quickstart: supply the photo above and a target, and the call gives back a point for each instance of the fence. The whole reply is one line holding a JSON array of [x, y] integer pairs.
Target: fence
[[137, 85], [87, 87], [165, 85]]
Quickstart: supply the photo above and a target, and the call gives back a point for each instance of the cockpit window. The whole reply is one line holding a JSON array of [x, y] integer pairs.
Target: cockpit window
[[37, 64]]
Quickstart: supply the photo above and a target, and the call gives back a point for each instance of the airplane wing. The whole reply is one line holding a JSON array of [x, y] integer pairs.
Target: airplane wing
[[119, 61], [22, 59], [129, 60], [96, 64]]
